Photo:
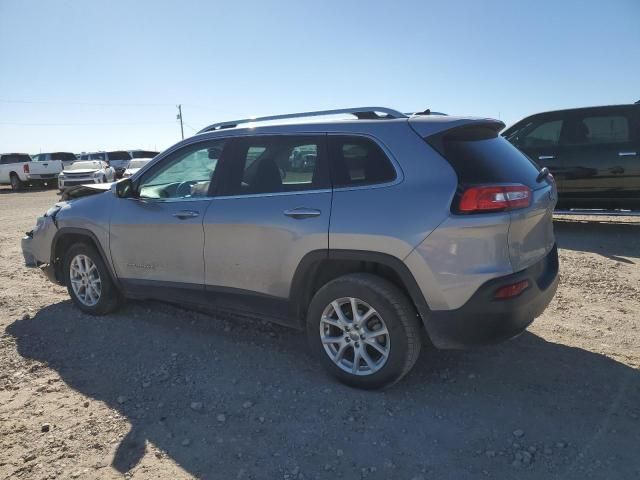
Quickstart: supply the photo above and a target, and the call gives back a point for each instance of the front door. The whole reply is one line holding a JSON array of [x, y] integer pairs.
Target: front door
[[272, 207], [156, 238]]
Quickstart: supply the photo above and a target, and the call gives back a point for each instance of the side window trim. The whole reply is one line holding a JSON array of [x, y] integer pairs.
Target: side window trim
[[394, 163]]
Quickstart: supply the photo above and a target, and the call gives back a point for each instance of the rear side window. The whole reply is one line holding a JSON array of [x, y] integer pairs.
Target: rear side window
[[273, 164], [480, 156], [358, 161], [600, 129]]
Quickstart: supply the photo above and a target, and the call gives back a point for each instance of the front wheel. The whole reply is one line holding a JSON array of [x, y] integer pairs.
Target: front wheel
[[88, 281], [364, 330]]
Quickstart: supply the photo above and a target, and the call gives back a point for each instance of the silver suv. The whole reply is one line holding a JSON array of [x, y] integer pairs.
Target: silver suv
[[372, 234]]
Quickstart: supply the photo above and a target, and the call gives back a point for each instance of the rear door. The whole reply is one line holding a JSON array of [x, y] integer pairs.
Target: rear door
[[602, 156], [272, 207]]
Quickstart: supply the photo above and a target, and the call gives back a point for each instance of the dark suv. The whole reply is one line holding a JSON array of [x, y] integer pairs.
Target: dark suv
[[593, 152]]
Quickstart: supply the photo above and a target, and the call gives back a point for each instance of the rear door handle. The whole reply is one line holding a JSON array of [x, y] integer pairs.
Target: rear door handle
[[184, 214], [546, 157], [626, 154], [300, 213]]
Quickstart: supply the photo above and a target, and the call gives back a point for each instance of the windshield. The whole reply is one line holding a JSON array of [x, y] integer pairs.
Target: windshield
[[119, 155], [138, 163], [64, 156], [85, 165], [97, 156], [143, 154]]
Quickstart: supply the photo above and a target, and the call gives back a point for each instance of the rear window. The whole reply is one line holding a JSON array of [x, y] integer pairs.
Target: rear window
[[143, 154], [119, 155], [63, 156], [479, 155], [15, 158]]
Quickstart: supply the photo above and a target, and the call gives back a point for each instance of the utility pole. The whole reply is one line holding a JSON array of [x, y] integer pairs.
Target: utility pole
[[179, 117]]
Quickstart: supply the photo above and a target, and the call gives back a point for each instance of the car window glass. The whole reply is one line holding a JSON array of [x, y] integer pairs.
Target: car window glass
[[277, 164], [187, 173], [358, 161], [606, 129], [545, 134]]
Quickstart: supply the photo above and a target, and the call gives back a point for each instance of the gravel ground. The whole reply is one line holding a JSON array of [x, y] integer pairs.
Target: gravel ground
[[155, 391]]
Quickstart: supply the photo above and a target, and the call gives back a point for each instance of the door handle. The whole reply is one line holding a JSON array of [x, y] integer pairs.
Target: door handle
[[626, 154], [300, 213], [184, 214], [546, 157]]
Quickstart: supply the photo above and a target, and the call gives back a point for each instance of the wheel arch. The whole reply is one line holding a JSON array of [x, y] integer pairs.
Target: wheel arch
[[68, 236], [321, 266]]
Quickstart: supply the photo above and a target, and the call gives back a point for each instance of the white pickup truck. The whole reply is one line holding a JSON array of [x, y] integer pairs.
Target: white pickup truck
[[19, 170]]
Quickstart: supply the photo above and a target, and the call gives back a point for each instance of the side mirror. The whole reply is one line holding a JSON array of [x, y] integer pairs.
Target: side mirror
[[125, 189]]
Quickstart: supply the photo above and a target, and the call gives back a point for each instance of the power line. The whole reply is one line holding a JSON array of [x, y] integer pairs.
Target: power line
[[82, 124], [93, 104]]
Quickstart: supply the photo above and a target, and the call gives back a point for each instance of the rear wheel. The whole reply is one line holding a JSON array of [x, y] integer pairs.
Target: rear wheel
[[16, 183], [88, 281], [364, 330]]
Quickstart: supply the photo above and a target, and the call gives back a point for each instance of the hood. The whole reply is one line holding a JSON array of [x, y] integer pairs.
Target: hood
[[84, 190], [80, 170], [85, 165]]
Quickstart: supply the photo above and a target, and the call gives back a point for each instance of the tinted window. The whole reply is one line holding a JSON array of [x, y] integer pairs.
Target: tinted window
[[600, 129], [275, 164], [97, 156], [542, 135], [15, 158], [63, 156], [358, 161], [479, 155], [143, 154], [120, 155], [84, 157], [187, 173]]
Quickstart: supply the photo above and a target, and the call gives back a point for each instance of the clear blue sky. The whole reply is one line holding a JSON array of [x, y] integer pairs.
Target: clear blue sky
[[90, 75]]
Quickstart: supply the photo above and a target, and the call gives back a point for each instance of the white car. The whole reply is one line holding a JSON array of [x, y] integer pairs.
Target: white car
[[118, 159], [19, 170], [135, 165], [88, 171]]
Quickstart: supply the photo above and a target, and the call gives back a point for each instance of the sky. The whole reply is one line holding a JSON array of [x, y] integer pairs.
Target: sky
[[87, 75]]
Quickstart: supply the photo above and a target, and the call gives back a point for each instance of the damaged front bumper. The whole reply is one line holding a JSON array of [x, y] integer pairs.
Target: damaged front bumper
[[36, 247]]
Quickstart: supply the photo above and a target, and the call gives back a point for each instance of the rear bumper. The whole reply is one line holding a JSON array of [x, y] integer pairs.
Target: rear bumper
[[483, 320]]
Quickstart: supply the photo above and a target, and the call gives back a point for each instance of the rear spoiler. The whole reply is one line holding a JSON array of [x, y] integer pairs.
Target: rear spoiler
[[476, 129]]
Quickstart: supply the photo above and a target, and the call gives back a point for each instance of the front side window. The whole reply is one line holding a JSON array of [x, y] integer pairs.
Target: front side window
[[187, 173], [273, 164], [358, 161], [546, 134]]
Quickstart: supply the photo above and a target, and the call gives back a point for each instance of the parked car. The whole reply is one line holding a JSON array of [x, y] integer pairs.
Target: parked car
[[86, 171], [67, 158], [405, 227], [148, 154], [19, 171], [135, 165], [118, 159], [593, 153]]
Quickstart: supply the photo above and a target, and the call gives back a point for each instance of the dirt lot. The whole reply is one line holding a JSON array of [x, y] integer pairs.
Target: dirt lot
[[158, 392]]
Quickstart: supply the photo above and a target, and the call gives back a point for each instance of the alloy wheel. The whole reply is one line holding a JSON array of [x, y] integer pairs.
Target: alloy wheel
[[85, 280], [354, 336]]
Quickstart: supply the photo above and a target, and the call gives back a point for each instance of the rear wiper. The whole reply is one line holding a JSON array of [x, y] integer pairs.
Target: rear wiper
[[544, 173]]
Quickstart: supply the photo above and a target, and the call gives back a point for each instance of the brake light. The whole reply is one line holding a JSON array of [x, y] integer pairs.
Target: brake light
[[492, 198], [25, 168], [510, 291]]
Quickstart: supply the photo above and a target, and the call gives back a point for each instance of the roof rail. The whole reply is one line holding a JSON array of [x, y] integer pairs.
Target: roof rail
[[359, 112]]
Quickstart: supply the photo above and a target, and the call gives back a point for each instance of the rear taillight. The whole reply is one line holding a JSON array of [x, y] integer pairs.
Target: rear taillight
[[494, 198], [510, 291], [25, 168]]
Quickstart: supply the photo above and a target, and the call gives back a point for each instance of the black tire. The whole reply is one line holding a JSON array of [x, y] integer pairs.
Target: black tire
[[109, 299], [16, 183], [400, 318]]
